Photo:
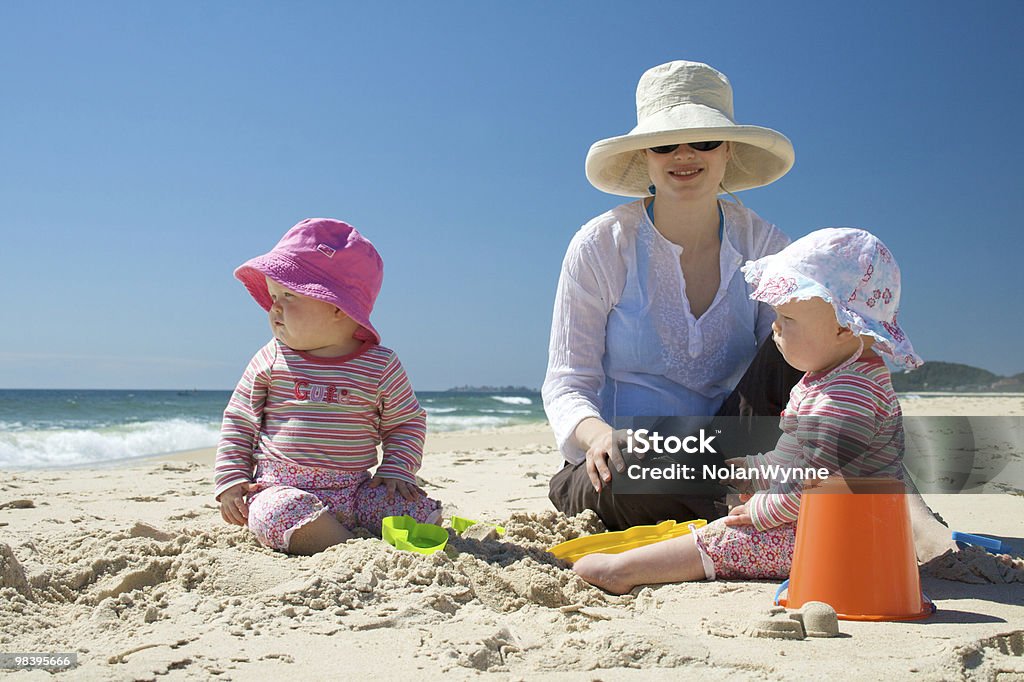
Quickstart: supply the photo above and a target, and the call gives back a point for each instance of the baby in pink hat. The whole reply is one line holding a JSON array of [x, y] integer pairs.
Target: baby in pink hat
[[302, 427], [836, 295]]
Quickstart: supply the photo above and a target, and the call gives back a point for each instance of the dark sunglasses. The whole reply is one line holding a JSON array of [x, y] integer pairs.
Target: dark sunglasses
[[699, 146]]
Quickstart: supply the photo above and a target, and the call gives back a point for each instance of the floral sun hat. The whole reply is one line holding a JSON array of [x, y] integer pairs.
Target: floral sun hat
[[851, 269], [325, 259]]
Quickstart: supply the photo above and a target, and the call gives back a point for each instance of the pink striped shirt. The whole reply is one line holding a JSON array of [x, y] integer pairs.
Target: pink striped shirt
[[323, 412], [849, 423]]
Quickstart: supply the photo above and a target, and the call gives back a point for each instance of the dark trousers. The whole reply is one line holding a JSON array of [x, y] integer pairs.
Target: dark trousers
[[762, 392]]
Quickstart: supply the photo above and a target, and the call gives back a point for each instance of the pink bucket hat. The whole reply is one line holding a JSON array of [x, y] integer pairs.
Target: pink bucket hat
[[325, 259]]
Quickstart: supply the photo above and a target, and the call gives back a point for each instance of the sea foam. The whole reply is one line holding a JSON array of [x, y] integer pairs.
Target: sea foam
[[512, 399], [71, 447], [442, 424]]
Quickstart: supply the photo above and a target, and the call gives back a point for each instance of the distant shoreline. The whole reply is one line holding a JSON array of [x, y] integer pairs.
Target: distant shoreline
[[487, 389]]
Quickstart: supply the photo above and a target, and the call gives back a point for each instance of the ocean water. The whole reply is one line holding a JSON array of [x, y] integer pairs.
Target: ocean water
[[50, 428]]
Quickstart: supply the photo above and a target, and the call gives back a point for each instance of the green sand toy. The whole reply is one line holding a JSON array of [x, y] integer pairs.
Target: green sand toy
[[404, 532], [621, 540], [460, 524]]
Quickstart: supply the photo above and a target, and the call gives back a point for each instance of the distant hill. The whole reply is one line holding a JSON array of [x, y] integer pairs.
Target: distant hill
[[953, 376]]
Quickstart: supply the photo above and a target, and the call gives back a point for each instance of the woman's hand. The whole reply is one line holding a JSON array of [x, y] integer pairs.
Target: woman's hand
[[602, 448], [408, 491], [233, 508]]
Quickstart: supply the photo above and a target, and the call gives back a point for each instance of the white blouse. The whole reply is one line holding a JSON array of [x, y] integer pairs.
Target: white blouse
[[624, 343]]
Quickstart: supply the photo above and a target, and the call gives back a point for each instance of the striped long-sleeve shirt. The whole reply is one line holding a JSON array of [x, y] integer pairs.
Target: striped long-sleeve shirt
[[849, 423], [324, 412]]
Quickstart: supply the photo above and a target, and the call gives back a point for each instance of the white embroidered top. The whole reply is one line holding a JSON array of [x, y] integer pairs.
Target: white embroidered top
[[623, 340]]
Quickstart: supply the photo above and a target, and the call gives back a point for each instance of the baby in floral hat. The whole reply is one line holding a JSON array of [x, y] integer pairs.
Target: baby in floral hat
[[836, 294], [302, 427]]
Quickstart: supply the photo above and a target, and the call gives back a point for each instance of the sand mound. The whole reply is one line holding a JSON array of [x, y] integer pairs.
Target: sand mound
[[542, 530], [12, 575], [97, 586], [975, 565], [1000, 657]]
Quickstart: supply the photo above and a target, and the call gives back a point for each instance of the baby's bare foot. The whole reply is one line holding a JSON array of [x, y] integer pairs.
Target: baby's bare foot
[[931, 538], [604, 571]]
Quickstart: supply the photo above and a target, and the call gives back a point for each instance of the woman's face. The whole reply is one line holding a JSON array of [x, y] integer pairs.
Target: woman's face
[[687, 173]]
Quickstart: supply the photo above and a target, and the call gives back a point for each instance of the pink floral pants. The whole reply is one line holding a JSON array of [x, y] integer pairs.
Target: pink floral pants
[[745, 552], [288, 496]]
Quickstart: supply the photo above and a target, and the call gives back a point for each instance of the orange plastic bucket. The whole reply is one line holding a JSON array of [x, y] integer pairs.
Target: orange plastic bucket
[[855, 551]]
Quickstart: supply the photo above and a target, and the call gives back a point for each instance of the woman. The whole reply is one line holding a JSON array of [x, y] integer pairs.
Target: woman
[[652, 317]]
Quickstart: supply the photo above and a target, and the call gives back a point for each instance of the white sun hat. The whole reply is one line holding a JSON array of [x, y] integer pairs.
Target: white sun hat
[[682, 102]]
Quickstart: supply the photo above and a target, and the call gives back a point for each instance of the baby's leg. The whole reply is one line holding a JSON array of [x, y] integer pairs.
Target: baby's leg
[[293, 520], [372, 505], [668, 561], [745, 553], [931, 537], [318, 535]]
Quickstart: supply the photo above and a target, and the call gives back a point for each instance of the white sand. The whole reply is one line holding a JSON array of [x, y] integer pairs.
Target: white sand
[[132, 568]]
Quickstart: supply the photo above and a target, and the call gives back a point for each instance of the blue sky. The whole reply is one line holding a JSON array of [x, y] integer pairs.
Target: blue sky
[[146, 149]]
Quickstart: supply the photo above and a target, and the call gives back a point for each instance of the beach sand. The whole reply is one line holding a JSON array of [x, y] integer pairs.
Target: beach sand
[[131, 567]]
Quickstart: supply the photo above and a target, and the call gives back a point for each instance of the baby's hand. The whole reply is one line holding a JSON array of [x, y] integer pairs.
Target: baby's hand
[[233, 508], [739, 516], [407, 490], [742, 484]]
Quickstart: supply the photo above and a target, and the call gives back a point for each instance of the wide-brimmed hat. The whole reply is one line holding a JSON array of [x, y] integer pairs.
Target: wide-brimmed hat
[[682, 102], [325, 259], [851, 269]]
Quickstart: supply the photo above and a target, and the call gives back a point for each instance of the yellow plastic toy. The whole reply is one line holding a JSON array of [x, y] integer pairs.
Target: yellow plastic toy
[[619, 541]]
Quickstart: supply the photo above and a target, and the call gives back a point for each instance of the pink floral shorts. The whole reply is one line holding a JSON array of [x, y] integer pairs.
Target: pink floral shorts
[[288, 496], [745, 552]]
